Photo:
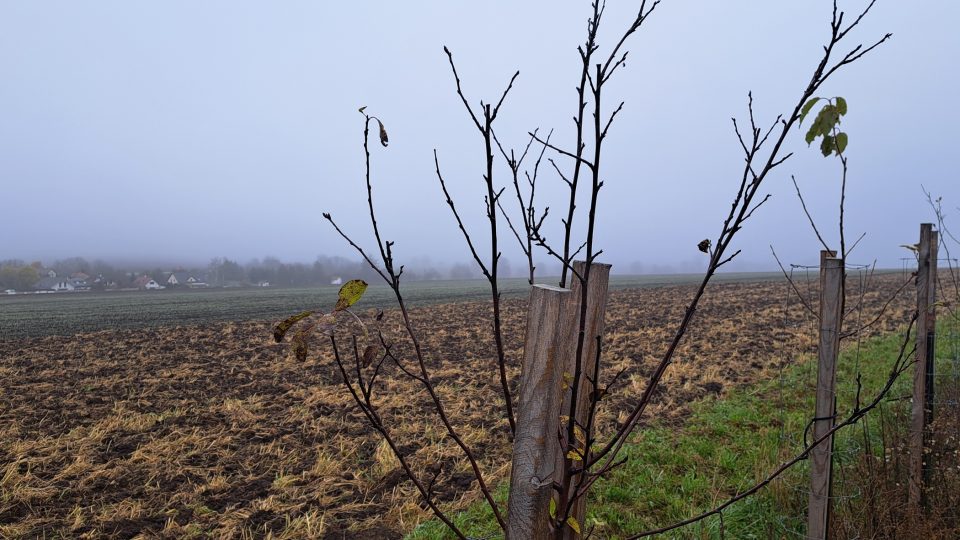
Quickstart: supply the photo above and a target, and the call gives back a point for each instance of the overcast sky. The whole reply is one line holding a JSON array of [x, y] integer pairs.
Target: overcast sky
[[184, 130]]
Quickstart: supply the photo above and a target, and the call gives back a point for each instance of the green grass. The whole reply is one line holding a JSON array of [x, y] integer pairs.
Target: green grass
[[727, 444]]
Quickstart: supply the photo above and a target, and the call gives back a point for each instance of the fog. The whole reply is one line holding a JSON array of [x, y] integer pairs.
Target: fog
[[179, 131]]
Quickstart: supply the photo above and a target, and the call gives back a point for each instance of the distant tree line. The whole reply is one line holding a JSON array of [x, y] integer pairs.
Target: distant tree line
[[17, 275]]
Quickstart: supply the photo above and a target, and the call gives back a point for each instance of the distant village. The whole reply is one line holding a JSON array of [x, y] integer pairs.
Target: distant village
[[51, 282], [78, 275]]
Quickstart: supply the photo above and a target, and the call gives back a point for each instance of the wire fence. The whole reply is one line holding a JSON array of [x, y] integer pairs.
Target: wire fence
[[870, 472]]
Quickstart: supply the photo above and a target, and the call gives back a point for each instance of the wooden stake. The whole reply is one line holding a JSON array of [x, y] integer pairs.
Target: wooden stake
[[596, 310], [921, 410], [536, 444], [821, 457], [550, 351]]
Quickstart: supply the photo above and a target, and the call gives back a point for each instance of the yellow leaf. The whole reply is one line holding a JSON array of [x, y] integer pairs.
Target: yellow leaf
[[575, 455], [580, 435], [567, 380], [350, 293], [574, 524], [553, 508]]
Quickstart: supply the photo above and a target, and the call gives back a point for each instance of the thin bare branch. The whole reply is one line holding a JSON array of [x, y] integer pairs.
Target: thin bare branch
[[503, 213], [603, 134], [353, 244], [849, 251], [882, 312], [453, 208], [559, 172], [562, 152], [856, 54], [504, 96], [809, 217], [463, 98], [368, 410], [793, 284]]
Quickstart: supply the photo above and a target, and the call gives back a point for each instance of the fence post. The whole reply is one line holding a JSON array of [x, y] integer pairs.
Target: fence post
[[821, 457], [921, 410], [550, 350], [597, 285], [535, 443]]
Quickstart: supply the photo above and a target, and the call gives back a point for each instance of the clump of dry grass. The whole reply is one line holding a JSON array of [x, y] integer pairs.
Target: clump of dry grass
[[879, 476]]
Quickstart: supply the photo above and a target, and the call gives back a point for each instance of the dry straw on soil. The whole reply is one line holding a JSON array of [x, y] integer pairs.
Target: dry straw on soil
[[213, 430]]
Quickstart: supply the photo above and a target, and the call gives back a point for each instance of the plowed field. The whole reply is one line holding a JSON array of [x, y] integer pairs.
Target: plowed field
[[214, 430]]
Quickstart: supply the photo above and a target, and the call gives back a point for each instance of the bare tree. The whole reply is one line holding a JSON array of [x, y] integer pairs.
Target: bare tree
[[589, 455]]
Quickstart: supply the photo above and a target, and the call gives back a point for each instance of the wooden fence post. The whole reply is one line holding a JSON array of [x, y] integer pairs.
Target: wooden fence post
[[821, 457], [549, 351], [535, 444], [597, 285], [921, 410]]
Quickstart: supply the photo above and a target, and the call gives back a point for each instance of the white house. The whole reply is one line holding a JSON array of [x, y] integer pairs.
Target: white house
[[186, 279], [54, 284], [148, 283], [63, 285]]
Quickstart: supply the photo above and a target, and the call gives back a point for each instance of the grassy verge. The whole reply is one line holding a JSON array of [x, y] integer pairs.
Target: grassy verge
[[727, 445]]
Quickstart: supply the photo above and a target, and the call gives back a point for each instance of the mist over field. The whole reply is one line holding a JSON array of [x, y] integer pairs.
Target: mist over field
[[172, 133]]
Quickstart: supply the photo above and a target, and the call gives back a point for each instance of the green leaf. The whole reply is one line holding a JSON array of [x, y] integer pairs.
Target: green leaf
[[363, 109], [281, 329], [841, 106], [574, 524], [350, 293], [575, 455], [553, 508], [826, 119], [827, 145], [806, 109], [832, 119], [811, 134], [841, 142]]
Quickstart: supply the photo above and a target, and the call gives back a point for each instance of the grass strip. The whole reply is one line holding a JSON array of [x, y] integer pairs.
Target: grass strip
[[726, 445]]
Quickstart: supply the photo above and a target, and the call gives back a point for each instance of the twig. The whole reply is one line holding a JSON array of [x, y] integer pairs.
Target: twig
[[809, 217]]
